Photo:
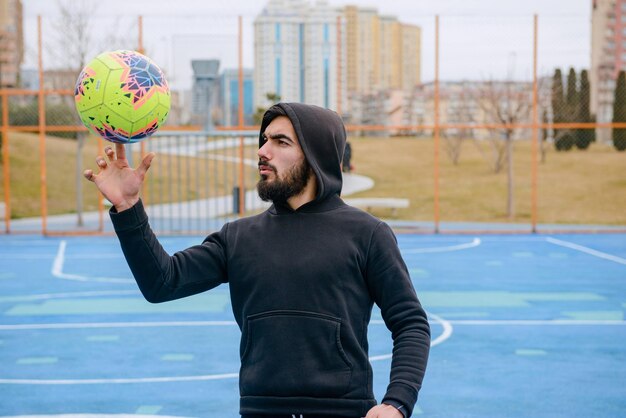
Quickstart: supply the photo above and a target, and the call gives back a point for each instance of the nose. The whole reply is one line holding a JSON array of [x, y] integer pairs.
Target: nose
[[264, 151]]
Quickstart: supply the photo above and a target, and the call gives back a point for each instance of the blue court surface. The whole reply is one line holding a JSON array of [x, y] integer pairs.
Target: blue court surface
[[523, 326]]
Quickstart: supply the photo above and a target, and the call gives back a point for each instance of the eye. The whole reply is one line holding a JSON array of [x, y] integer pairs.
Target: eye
[[282, 143]]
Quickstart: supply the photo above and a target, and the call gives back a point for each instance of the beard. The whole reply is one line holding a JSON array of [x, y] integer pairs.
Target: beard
[[281, 189]]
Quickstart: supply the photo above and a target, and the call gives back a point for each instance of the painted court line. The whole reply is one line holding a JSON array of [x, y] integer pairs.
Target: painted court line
[[57, 270], [586, 250], [47, 296], [447, 332], [508, 322], [475, 243]]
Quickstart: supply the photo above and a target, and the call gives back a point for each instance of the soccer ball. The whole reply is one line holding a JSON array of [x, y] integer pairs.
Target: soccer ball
[[122, 96]]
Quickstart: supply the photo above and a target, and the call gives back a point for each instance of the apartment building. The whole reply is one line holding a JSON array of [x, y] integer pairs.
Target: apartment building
[[11, 42]]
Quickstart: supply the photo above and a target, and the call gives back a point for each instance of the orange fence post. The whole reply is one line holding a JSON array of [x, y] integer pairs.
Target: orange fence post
[[437, 127], [42, 133], [240, 114], [535, 138], [5, 162]]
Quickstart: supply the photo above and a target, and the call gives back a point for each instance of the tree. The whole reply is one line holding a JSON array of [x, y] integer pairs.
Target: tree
[[565, 108], [619, 112], [544, 135], [260, 110], [558, 100], [73, 44], [508, 104], [460, 112], [584, 137]]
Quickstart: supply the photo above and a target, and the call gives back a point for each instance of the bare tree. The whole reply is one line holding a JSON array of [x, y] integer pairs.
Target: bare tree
[[460, 111], [506, 104], [70, 48]]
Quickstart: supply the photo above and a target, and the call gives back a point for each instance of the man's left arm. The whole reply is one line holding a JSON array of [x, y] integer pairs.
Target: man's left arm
[[389, 281]]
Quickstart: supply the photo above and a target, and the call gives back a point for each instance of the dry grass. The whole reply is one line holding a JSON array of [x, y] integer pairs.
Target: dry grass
[[580, 187]]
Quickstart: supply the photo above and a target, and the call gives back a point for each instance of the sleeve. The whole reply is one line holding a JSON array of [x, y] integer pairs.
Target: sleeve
[[162, 277], [389, 281]]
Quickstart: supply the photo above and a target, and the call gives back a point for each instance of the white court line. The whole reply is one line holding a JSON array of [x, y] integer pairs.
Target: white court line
[[475, 243], [57, 270], [586, 250], [447, 332], [47, 296], [508, 322], [92, 325], [118, 381]]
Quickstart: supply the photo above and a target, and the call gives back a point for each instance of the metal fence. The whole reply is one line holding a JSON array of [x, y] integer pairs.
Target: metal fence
[[519, 149]]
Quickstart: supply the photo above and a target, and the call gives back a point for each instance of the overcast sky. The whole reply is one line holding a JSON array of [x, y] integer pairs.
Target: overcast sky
[[479, 39]]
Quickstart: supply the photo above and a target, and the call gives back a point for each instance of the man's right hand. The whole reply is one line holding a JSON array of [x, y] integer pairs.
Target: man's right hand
[[116, 180]]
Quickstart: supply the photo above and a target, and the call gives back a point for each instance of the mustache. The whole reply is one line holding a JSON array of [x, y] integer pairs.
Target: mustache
[[266, 164]]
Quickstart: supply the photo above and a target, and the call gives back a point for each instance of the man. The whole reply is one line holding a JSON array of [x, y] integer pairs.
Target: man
[[303, 276]]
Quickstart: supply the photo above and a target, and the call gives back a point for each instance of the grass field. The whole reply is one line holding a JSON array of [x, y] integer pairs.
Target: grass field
[[579, 187]]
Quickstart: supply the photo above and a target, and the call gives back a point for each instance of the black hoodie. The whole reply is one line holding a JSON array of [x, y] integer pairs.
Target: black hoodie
[[303, 283]]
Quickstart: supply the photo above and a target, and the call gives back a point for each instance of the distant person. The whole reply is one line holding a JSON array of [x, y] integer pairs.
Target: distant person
[[347, 158], [303, 276]]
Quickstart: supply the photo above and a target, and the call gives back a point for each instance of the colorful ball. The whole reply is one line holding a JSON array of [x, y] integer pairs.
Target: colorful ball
[[122, 96]]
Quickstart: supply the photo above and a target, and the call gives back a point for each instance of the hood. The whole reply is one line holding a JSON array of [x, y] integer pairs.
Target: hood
[[322, 136]]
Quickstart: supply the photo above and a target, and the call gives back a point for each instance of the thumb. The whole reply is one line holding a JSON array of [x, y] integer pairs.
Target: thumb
[[145, 164]]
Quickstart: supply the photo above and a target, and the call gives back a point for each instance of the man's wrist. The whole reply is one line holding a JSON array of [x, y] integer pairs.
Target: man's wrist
[[398, 406]]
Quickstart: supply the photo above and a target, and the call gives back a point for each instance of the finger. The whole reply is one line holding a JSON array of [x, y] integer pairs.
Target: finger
[[101, 162], [89, 175], [110, 153], [120, 151], [145, 164]]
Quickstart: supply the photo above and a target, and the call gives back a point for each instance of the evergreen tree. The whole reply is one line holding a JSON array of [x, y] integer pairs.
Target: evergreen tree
[[558, 100], [571, 100], [584, 137], [619, 112]]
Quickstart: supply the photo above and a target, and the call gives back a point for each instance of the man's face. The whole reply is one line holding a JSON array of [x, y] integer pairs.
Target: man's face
[[284, 170]]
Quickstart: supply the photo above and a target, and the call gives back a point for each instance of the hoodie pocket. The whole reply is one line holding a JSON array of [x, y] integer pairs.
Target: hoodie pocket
[[293, 353]]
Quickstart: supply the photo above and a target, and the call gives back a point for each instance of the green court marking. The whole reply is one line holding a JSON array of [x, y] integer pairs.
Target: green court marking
[[561, 297], [595, 315], [523, 254], [558, 255], [103, 338], [496, 299], [417, 410], [177, 357], [450, 315], [419, 273], [530, 352], [148, 409], [216, 302], [37, 360], [493, 263], [472, 299]]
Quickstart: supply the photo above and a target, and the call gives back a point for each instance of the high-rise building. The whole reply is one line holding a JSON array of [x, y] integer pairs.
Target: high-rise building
[[11, 42], [608, 57], [296, 54], [229, 97], [382, 53]]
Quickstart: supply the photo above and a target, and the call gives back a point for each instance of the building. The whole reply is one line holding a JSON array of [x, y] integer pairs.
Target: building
[[340, 58], [204, 97], [229, 97], [297, 54], [11, 42], [608, 56], [382, 53]]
